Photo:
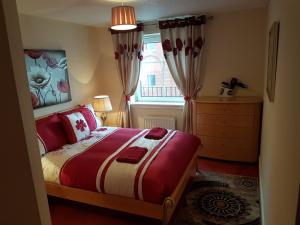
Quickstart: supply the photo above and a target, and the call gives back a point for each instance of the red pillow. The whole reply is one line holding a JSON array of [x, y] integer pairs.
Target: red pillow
[[51, 132], [97, 120], [89, 117]]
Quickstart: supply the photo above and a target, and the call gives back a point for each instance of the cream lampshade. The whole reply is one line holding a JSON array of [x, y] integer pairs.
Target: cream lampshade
[[101, 104], [123, 18]]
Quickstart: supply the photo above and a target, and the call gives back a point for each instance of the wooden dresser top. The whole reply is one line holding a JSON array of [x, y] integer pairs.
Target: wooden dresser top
[[229, 100]]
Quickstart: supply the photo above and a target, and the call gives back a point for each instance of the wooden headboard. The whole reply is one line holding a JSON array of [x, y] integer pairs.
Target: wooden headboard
[[64, 110]]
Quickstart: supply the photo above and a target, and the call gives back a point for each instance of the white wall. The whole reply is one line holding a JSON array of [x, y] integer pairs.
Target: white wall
[[235, 44], [280, 148], [235, 47], [82, 50]]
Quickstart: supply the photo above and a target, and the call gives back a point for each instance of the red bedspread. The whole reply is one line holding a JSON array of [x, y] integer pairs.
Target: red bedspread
[[160, 178]]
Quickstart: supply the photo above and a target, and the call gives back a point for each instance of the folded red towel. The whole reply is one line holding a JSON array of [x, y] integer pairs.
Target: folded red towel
[[132, 155], [156, 133]]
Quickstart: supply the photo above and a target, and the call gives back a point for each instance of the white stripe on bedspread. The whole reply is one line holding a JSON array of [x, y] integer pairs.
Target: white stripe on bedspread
[[106, 161], [140, 181], [53, 162], [120, 177]]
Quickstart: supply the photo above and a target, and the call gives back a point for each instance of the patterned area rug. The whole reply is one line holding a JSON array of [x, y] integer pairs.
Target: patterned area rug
[[220, 199]]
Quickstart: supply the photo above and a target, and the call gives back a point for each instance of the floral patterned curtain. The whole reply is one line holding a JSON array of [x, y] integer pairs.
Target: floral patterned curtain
[[128, 47], [182, 41]]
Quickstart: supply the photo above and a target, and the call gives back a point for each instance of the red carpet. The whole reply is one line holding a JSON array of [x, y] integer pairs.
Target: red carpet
[[71, 213], [235, 168]]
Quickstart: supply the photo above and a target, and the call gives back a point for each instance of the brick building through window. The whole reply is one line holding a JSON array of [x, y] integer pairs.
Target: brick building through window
[[156, 83]]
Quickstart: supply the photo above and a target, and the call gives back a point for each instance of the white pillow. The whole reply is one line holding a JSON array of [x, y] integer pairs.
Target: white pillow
[[98, 121]]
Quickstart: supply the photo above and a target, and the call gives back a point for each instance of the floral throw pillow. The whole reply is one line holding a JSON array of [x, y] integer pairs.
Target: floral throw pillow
[[75, 127]]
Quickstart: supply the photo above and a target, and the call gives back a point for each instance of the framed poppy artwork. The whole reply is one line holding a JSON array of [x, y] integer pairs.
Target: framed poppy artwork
[[48, 79]]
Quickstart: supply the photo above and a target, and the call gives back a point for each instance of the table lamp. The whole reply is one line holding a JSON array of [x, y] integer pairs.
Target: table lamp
[[101, 104]]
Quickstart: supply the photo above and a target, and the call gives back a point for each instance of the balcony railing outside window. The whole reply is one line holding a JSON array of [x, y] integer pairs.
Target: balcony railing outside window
[[155, 91]]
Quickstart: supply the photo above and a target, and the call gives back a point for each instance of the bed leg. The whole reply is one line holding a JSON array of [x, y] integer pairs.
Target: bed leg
[[168, 208]]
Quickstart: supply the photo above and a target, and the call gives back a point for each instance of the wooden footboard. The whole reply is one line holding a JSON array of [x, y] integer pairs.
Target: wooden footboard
[[162, 212]]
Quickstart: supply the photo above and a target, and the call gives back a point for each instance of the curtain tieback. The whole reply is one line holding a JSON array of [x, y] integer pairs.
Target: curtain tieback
[[127, 98], [187, 98]]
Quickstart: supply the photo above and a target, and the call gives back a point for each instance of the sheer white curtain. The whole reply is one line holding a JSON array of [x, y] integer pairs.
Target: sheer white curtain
[[128, 46], [182, 41]]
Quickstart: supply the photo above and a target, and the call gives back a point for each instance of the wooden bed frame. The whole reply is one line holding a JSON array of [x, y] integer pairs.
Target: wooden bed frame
[[162, 212]]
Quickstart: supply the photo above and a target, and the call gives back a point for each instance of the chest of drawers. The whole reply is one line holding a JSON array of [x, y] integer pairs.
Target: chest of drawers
[[229, 128]]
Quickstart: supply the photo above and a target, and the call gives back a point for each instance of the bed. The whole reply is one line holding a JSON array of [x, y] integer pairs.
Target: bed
[[88, 171]]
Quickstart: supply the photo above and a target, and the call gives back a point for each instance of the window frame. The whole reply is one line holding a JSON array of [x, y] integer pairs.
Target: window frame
[[138, 98]]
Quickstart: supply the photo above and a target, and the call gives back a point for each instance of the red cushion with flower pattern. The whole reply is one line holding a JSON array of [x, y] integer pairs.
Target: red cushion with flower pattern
[[51, 132], [89, 117], [96, 120], [76, 126]]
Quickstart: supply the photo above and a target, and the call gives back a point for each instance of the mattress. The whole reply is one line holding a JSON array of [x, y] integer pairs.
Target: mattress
[[91, 164]]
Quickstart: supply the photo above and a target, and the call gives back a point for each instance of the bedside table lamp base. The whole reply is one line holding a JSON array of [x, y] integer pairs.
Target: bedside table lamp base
[[103, 117]]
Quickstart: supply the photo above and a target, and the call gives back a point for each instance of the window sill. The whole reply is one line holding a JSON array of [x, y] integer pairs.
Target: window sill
[[157, 105]]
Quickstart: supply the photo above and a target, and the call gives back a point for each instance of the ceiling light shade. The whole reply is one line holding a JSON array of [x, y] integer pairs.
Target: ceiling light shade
[[123, 18]]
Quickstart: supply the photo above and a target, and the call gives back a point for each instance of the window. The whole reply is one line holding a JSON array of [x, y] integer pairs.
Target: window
[[156, 83]]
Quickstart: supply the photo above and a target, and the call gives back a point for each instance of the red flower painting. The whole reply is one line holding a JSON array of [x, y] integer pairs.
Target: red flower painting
[[47, 77], [34, 54], [34, 100], [50, 61], [80, 125], [63, 86]]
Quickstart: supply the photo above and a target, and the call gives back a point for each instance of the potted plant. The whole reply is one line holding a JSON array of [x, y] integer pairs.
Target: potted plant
[[228, 88]]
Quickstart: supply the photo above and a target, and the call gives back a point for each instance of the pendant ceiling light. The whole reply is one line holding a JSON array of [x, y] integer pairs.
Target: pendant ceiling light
[[123, 18]]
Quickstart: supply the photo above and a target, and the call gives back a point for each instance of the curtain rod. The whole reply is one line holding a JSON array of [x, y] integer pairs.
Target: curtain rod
[[150, 23]]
